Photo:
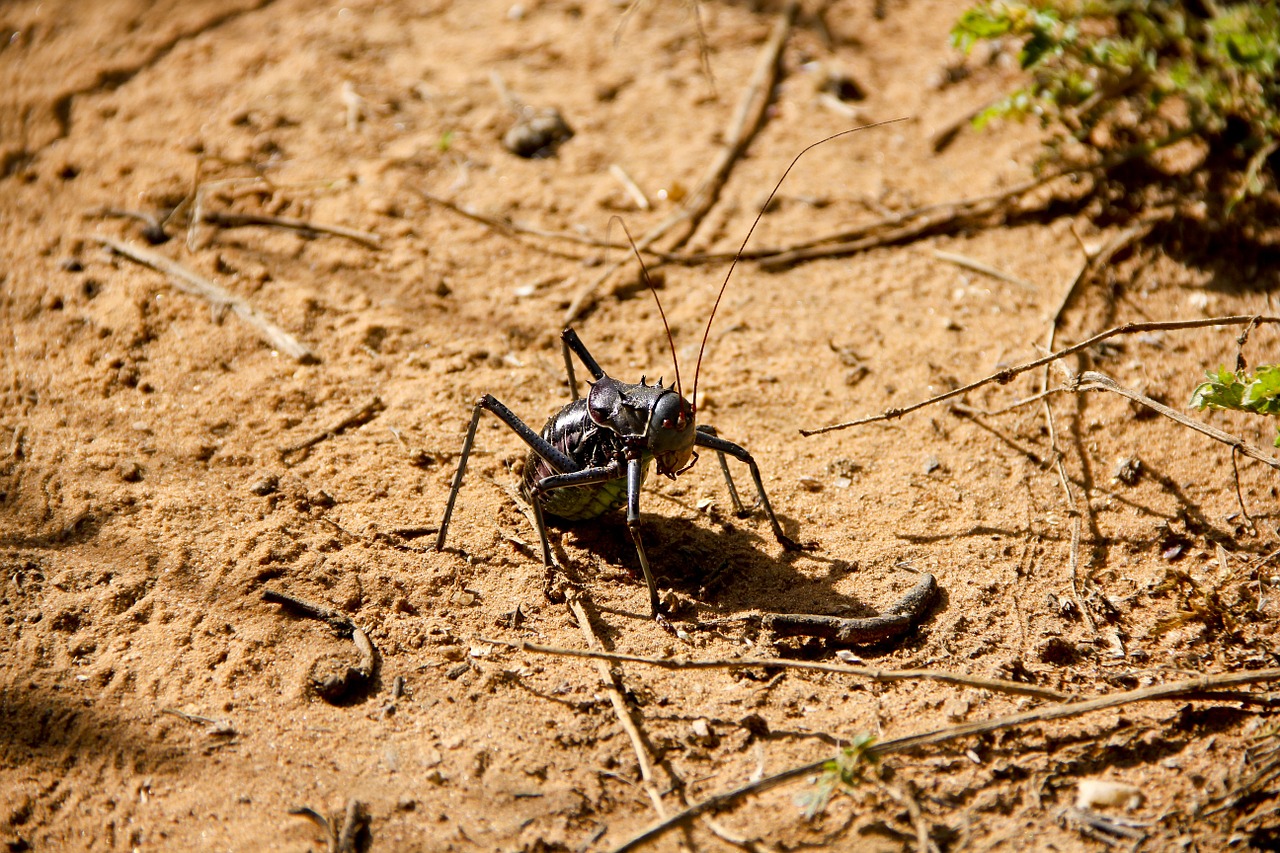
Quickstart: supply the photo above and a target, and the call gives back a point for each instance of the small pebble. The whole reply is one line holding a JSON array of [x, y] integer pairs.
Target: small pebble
[[267, 484], [537, 134], [1128, 470], [1091, 793]]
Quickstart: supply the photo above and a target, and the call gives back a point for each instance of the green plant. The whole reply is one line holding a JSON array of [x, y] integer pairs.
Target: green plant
[[1258, 392], [840, 773], [1125, 78]]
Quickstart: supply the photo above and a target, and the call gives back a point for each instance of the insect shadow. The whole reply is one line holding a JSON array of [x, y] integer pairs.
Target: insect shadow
[[723, 577]]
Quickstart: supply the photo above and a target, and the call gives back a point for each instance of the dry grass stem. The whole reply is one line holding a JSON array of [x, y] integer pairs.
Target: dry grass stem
[[869, 673], [219, 297]]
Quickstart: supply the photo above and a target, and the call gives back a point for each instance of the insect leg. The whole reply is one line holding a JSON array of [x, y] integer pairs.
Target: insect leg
[[713, 442], [569, 340], [540, 445], [738, 509], [635, 477]]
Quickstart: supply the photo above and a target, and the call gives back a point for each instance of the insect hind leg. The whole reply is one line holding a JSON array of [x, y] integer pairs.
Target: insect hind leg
[[558, 460], [570, 342]]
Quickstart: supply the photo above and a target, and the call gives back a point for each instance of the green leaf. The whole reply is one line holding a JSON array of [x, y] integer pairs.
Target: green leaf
[[1262, 393], [1258, 392], [1040, 45], [840, 773], [978, 23]]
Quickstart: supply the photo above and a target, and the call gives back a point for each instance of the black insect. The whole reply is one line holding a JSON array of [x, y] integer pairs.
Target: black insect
[[593, 455]]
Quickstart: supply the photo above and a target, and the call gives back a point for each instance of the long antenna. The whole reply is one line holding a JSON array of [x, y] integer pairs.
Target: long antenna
[[644, 273], [707, 334]]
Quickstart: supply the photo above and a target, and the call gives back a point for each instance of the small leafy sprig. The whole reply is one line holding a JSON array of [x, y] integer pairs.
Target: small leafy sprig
[[841, 773], [1128, 77], [1241, 391]]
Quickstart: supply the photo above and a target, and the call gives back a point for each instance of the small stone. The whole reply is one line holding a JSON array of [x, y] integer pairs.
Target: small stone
[[130, 471], [267, 484], [1128, 470], [755, 724], [1092, 793], [537, 134], [704, 735]]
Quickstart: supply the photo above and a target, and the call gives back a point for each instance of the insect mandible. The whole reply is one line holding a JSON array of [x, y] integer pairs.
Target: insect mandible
[[594, 454]]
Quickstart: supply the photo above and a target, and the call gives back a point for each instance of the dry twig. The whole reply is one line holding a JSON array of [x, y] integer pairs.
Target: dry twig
[[1003, 377], [221, 298], [619, 703], [360, 417], [345, 838], [213, 728], [238, 220], [986, 269], [870, 673], [1091, 380], [901, 617], [333, 682]]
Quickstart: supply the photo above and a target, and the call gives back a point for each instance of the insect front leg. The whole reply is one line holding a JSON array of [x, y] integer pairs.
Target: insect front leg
[[738, 509], [707, 438], [541, 446], [635, 478]]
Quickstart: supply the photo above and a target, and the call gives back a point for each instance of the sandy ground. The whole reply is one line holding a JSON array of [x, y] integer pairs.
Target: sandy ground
[[154, 479]]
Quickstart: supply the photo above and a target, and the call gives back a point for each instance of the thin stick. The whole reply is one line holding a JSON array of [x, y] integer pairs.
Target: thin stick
[[1074, 560], [352, 822], [977, 266], [1053, 712], [237, 220], [1004, 376], [507, 226], [341, 625], [197, 285], [1093, 381], [872, 674], [902, 226], [747, 120], [619, 703], [214, 728], [628, 183], [1093, 262], [1244, 510], [360, 417], [897, 619]]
